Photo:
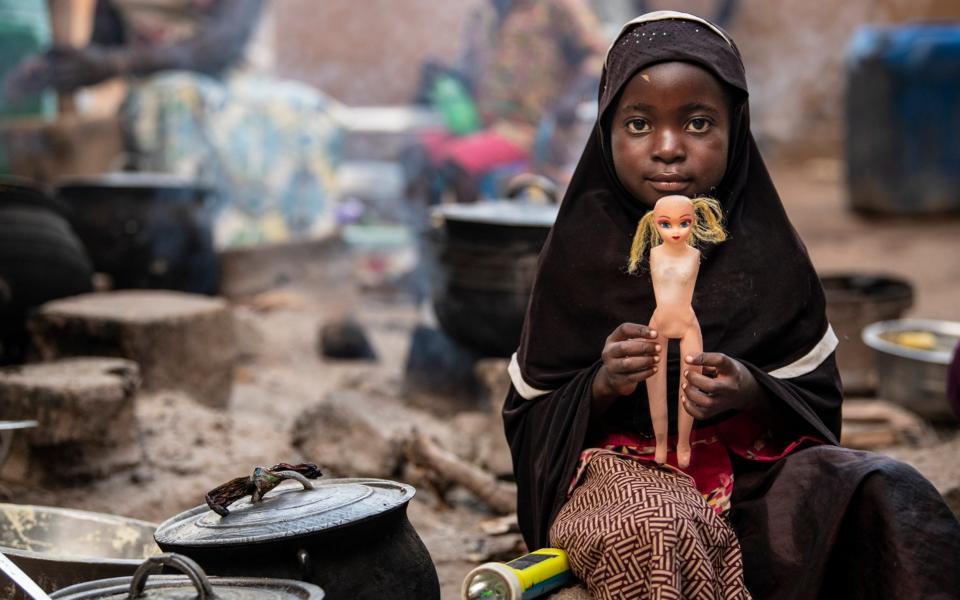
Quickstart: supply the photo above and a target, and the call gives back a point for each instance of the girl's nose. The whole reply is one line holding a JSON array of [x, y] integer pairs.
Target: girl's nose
[[668, 147]]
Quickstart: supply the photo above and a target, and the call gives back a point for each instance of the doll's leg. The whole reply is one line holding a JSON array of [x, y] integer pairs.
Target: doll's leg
[[657, 397], [691, 344]]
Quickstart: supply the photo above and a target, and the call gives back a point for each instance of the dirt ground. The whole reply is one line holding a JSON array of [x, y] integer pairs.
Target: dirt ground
[[190, 448]]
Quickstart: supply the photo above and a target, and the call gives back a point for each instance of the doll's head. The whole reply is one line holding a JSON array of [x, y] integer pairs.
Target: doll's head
[[677, 219]]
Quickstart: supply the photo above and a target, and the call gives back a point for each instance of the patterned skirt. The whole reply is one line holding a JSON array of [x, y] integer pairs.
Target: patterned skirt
[[635, 531]]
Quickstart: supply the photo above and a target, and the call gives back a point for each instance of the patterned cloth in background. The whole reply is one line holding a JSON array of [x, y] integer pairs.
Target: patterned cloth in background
[[269, 148]]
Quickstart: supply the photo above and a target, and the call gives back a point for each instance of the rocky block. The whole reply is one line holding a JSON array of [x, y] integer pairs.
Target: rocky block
[[87, 428], [73, 400], [181, 341]]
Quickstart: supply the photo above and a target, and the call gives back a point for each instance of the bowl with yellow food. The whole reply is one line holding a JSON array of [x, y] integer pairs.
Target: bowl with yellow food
[[912, 358]]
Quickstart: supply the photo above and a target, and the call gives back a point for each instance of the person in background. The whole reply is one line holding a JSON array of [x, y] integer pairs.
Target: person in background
[[199, 106], [528, 65]]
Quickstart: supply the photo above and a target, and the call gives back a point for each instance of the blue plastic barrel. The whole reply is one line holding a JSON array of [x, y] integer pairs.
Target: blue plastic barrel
[[903, 119]]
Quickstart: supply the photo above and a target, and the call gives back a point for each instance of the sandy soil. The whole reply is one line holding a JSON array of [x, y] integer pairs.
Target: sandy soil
[[190, 448]]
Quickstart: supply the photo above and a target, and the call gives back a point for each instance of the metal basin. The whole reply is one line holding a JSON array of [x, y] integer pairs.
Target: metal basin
[[58, 547], [914, 377]]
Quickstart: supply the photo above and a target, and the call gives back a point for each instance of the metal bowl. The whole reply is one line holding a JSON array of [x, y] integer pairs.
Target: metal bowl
[[58, 547], [915, 378]]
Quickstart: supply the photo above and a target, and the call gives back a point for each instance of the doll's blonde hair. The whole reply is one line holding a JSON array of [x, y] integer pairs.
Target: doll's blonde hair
[[707, 228]]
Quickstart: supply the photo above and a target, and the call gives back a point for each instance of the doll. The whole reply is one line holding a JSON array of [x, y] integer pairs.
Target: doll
[[671, 231]]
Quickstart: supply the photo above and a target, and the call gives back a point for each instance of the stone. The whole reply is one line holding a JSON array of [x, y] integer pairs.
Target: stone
[[87, 428], [345, 338], [344, 443], [183, 342], [73, 400]]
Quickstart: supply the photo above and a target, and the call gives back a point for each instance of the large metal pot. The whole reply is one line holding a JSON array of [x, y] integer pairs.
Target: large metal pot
[[915, 377], [485, 260], [145, 230], [180, 587], [349, 536], [58, 547]]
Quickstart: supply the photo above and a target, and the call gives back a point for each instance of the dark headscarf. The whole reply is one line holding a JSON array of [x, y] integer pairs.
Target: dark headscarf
[[757, 297]]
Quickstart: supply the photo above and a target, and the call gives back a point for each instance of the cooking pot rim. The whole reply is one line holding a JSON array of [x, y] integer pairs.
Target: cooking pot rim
[[73, 558], [131, 181], [500, 212]]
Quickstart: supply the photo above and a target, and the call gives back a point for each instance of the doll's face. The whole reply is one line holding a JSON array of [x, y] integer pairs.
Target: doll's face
[[674, 218], [671, 132]]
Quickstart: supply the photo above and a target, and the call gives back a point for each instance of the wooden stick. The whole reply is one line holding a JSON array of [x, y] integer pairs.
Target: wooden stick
[[499, 495]]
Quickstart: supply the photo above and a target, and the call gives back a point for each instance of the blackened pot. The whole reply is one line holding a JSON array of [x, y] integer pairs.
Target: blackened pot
[[349, 536], [484, 262], [145, 230]]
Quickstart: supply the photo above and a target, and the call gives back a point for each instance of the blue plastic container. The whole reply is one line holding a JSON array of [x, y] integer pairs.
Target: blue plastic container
[[903, 119]]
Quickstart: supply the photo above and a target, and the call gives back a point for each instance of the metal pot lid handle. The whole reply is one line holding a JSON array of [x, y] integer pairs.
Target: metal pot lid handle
[[259, 483], [185, 565]]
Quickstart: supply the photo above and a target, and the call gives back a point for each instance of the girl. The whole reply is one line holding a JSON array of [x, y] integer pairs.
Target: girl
[[813, 520]]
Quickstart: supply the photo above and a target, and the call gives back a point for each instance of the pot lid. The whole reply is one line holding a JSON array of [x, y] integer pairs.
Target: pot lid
[[289, 510], [193, 584], [501, 212], [132, 180]]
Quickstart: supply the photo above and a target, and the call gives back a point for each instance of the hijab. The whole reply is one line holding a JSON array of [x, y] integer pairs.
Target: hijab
[[758, 298]]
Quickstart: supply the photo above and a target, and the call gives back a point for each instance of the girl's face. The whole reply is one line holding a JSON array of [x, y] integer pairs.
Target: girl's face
[[671, 132]]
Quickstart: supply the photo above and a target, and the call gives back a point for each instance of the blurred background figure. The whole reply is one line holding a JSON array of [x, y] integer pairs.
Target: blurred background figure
[[199, 107], [511, 103]]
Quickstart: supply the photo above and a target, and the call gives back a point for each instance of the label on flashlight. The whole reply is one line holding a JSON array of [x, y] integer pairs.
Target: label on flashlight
[[529, 560]]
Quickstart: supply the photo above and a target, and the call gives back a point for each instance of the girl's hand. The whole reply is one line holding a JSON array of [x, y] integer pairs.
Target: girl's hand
[[725, 384], [629, 357]]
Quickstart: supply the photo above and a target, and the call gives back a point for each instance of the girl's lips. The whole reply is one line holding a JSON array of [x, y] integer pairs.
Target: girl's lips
[[668, 184]]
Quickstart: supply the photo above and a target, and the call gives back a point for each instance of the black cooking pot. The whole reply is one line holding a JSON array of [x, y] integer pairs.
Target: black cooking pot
[[484, 260], [349, 536], [145, 230], [180, 587], [41, 259]]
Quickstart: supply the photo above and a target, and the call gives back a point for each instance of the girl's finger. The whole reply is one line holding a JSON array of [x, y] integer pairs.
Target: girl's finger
[[709, 385], [698, 398], [693, 410], [639, 347], [641, 375], [631, 364], [626, 331], [709, 359]]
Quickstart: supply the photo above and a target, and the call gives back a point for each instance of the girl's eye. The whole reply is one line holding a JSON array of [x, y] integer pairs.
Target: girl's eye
[[685, 224], [665, 225], [637, 126], [698, 125]]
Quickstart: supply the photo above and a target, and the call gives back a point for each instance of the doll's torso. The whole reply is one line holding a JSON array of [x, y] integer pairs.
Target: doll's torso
[[674, 278]]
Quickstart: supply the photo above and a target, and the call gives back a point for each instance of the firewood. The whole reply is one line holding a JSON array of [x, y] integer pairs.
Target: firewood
[[500, 496]]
